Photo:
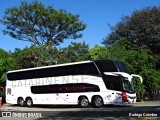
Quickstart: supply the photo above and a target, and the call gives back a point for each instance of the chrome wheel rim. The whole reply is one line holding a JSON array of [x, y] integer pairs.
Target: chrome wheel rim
[[84, 102], [29, 102], [21, 102], [98, 102]]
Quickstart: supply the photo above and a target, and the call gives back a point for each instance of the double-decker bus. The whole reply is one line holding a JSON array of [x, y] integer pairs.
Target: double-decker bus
[[84, 83]]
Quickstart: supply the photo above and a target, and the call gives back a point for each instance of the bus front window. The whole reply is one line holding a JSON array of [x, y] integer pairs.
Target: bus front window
[[128, 86]]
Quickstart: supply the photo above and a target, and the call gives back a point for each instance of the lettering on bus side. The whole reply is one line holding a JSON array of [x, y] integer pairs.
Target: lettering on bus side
[[65, 88], [76, 88]]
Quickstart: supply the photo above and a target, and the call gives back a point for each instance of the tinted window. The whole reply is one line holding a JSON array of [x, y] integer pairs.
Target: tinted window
[[79, 69], [69, 70], [87, 69], [121, 67], [65, 88], [8, 91], [113, 82], [106, 66]]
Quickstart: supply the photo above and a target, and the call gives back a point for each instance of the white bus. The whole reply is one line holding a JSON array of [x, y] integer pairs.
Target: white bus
[[84, 83]]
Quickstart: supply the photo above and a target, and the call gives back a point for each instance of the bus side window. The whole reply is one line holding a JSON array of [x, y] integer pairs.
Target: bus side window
[[87, 69], [9, 91]]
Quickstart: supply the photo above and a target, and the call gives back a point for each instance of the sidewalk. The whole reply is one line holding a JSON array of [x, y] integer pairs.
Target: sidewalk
[[7, 107]]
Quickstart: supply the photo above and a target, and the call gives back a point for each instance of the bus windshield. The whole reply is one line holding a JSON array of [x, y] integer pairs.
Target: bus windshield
[[118, 83], [127, 85]]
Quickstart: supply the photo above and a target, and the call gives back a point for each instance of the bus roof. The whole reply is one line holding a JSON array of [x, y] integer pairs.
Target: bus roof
[[74, 63]]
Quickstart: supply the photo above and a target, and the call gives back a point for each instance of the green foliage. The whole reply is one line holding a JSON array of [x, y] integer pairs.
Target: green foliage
[[141, 29], [23, 58], [151, 80], [139, 88], [5, 65], [98, 52], [74, 53], [45, 27], [39, 24], [36, 56]]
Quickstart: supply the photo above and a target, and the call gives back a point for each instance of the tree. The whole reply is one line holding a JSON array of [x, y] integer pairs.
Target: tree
[[73, 53], [32, 56], [141, 30], [5, 65], [38, 24], [98, 52], [25, 58]]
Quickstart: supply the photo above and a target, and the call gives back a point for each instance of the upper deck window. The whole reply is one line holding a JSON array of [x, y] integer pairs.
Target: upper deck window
[[75, 69], [121, 66]]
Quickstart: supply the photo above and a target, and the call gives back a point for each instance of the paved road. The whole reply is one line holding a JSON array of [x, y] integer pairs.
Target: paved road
[[149, 110]]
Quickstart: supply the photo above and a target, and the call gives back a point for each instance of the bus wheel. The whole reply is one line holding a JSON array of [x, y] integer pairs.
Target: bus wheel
[[21, 102], [97, 101], [29, 102], [83, 102]]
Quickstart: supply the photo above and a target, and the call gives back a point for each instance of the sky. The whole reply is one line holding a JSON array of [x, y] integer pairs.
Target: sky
[[96, 14]]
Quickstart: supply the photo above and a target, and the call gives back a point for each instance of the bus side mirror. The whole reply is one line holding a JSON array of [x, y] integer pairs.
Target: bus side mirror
[[134, 75]]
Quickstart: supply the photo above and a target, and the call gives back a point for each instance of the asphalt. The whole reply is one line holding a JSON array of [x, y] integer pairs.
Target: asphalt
[[137, 111]]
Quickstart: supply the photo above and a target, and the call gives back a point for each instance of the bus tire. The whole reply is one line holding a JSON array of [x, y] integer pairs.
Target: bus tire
[[97, 101], [21, 102], [29, 102], [83, 102]]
